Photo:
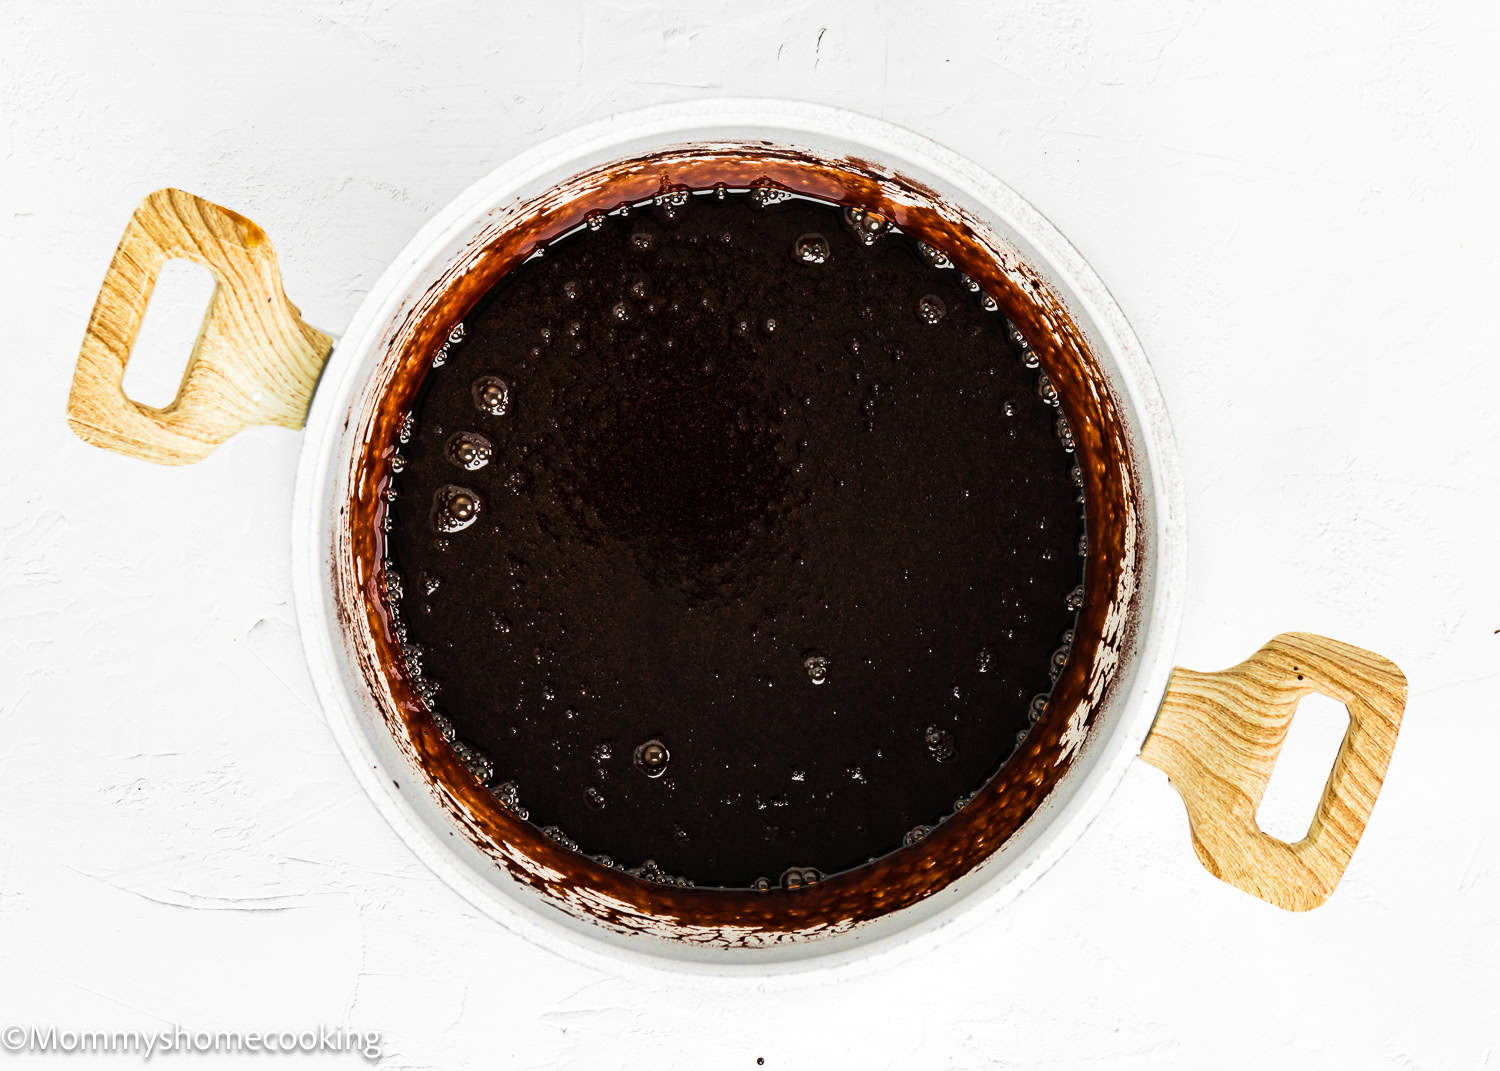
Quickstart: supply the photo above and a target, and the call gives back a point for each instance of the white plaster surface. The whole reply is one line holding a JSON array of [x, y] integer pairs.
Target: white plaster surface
[[1294, 203]]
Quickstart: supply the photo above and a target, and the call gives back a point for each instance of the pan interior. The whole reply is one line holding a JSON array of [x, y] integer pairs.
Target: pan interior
[[587, 890]]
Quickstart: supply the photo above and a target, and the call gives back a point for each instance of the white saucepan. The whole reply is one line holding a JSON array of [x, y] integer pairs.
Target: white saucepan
[[1216, 735]]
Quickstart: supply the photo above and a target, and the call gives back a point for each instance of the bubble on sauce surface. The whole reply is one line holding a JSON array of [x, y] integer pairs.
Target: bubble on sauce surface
[[939, 743], [816, 666], [469, 450], [964, 800], [1046, 391], [1038, 709], [932, 256], [594, 798], [811, 248], [764, 193], [799, 877], [1075, 598], [454, 508], [475, 761], [867, 227], [1028, 356], [915, 835], [653, 872], [491, 395], [670, 201], [984, 659], [555, 833], [509, 796], [1065, 434], [651, 758], [931, 309]]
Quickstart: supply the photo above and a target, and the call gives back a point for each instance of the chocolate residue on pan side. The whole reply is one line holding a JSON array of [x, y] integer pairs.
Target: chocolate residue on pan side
[[1104, 630]]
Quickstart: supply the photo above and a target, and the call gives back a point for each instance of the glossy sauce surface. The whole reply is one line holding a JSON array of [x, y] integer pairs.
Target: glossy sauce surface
[[735, 539]]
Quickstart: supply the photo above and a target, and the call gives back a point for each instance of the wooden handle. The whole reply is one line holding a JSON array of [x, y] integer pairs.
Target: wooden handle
[[1217, 737], [255, 361]]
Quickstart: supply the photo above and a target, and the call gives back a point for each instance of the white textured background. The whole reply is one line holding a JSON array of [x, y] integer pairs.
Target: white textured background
[[1295, 204]]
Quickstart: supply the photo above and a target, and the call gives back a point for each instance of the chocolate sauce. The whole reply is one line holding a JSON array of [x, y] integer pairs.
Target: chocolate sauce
[[735, 537]]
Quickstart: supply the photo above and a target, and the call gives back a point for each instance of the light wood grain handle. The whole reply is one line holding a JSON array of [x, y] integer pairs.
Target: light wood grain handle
[[1217, 737], [255, 361]]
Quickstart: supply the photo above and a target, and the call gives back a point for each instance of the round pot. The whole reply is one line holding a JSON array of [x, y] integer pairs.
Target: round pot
[[1216, 735]]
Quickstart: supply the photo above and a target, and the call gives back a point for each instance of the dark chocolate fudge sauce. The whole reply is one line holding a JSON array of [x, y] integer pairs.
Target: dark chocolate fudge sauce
[[736, 538]]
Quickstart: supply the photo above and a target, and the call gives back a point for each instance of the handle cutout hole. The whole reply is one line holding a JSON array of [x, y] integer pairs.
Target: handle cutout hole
[[1302, 769], [174, 317]]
